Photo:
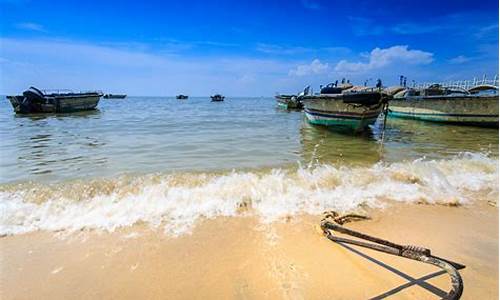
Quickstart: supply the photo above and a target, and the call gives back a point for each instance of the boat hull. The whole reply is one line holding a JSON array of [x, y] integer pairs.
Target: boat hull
[[217, 98], [462, 110], [55, 104], [334, 112]]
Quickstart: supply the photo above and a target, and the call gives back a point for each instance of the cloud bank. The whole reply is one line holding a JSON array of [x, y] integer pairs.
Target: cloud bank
[[135, 70], [314, 68], [380, 58]]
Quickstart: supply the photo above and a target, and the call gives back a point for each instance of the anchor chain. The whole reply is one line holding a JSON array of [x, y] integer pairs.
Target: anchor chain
[[332, 221]]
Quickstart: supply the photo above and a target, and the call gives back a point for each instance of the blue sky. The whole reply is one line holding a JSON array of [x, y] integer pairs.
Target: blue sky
[[241, 48]]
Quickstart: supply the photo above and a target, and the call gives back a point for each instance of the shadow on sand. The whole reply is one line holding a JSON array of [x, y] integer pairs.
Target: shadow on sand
[[411, 280]]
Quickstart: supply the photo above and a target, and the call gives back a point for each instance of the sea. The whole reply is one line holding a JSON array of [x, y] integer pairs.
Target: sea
[[171, 163]]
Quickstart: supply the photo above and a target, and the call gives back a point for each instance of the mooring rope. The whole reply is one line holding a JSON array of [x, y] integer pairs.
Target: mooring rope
[[333, 222]]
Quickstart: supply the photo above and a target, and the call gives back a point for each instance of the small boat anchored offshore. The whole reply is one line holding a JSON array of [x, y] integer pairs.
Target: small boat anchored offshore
[[217, 98], [344, 106], [181, 97], [34, 100], [114, 96], [292, 101]]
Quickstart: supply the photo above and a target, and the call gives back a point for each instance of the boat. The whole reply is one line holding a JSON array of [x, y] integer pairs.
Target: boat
[[114, 96], [292, 101], [477, 106], [217, 98], [34, 100], [181, 97], [344, 107], [288, 101]]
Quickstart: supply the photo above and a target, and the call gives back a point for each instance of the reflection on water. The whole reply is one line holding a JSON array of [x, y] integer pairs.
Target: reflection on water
[[48, 145], [78, 114], [147, 134], [402, 140], [323, 145], [413, 138]]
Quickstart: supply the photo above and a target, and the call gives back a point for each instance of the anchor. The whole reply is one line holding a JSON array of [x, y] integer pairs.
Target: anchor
[[333, 222]]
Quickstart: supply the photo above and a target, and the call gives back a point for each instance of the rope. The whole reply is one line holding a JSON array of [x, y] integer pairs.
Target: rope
[[332, 221]]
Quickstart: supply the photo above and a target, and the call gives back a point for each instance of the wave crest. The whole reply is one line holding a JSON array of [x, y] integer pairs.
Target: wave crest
[[177, 201]]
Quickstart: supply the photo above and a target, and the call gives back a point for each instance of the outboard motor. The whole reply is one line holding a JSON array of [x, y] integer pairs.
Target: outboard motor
[[34, 95], [33, 99]]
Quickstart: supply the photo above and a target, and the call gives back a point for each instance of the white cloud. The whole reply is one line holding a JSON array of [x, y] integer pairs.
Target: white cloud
[[460, 59], [282, 50], [315, 67], [414, 28], [380, 58], [297, 50], [134, 70], [31, 26]]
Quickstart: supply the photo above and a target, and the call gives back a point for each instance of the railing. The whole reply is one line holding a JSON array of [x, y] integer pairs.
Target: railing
[[68, 91], [464, 84]]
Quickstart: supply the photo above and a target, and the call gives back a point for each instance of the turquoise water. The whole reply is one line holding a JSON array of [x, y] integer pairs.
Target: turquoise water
[[165, 162], [162, 134]]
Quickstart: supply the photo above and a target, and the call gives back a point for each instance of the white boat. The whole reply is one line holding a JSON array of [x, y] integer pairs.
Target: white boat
[[477, 106], [340, 107]]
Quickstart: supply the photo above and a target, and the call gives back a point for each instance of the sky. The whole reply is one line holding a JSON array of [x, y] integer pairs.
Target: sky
[[241, 48]]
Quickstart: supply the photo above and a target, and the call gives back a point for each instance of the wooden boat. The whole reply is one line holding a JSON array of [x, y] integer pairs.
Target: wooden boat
[[292, 101], [448, 105], [114, 96], [288, 101], [34, 100], [217, 98], [181, 97], [339, 107]]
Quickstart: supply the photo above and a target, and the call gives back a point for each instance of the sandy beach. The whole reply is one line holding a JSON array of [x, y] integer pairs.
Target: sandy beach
[[241, 258], [193, 149]]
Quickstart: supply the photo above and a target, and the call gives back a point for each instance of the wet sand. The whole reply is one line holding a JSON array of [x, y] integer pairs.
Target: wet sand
[[240, 258]]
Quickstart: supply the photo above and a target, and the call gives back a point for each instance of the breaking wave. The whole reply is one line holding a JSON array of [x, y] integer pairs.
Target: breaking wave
[[176, 201]]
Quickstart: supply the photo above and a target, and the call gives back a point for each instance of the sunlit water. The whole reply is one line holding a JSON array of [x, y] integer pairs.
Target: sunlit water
[[165, 161]]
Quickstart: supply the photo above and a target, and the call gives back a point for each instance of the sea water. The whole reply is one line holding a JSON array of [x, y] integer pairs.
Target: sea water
[[169, 163]]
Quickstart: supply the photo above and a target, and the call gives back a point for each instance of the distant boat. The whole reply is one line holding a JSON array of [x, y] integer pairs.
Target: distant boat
[[34, 100], [114, 96], [338, 106], [292, 101], [181, 97], [477, 106], [217, 98]]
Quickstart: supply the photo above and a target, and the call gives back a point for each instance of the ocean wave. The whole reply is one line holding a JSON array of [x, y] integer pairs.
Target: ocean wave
[[177, 201]]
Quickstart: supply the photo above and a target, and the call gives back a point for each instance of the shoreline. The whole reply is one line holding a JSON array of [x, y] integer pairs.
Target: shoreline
[[239, 257]]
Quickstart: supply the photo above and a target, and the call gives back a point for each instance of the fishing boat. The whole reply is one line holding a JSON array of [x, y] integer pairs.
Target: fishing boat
[[292, 101], [217, 98], [338, 106], [34, 100], [288, 101], [477, 106], [114, 96], [181, 97]]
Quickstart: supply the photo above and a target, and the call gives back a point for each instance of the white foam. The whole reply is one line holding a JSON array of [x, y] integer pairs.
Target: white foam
[[176, 202]]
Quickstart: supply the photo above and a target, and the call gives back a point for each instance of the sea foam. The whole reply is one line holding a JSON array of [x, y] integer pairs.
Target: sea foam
[[176, 202]]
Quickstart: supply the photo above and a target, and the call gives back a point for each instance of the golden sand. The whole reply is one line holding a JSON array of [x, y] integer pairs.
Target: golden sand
[[240, 258]]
